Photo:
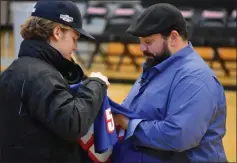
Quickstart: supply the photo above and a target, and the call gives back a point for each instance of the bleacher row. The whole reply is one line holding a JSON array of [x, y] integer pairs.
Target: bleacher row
[[213, 27]]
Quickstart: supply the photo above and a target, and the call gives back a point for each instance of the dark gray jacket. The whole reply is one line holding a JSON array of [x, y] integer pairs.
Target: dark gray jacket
[[40, 120]]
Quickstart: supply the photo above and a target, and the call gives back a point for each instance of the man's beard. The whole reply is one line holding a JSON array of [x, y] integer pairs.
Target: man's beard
[[154, 59]]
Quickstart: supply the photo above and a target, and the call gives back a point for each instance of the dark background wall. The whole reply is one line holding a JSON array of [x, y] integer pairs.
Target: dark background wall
[[198, 4]]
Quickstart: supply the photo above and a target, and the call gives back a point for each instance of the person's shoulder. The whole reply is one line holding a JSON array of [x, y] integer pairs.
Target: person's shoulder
[[196, 68], [36, 69]]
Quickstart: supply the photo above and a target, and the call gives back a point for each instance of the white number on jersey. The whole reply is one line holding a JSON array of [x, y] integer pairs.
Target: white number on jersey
[[109, 121]]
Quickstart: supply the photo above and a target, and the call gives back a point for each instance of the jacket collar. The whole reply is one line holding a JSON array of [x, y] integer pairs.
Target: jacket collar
[[38, 48]]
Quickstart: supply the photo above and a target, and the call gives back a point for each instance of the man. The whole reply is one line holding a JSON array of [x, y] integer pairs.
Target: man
[[181, 104], [40, 119]]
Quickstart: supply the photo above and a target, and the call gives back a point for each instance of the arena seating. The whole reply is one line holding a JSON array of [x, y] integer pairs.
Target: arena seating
[[213, 26]]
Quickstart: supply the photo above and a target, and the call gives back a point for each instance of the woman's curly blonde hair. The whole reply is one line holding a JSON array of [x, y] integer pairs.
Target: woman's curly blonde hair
[[39, 27]]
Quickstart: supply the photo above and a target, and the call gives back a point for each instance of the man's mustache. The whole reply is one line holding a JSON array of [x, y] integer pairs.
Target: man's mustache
[[148, 54]]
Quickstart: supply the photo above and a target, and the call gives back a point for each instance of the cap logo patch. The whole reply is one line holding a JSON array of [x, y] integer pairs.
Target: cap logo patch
[[66, 18]]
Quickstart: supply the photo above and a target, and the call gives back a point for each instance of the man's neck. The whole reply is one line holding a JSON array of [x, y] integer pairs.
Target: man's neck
[[180, 46]]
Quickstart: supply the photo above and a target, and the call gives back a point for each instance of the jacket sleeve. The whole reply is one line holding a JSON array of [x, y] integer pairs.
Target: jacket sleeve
[[188, 117], [70, 117]]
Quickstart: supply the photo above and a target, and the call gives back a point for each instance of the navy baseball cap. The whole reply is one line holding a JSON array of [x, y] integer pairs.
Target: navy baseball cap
[[61, 11]]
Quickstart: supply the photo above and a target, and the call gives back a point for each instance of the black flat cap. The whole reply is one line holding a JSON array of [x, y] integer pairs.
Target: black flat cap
[[62, 11], [157, 19]]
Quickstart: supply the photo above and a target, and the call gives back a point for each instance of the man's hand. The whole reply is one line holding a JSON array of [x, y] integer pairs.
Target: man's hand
[[101, 76], [121, 120]]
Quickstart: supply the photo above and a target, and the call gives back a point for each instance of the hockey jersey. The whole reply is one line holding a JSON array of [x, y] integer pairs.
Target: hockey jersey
[[103, 134]]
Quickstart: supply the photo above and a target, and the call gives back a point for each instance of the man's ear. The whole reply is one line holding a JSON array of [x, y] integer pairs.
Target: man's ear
[[57, 33], [174, 37]]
